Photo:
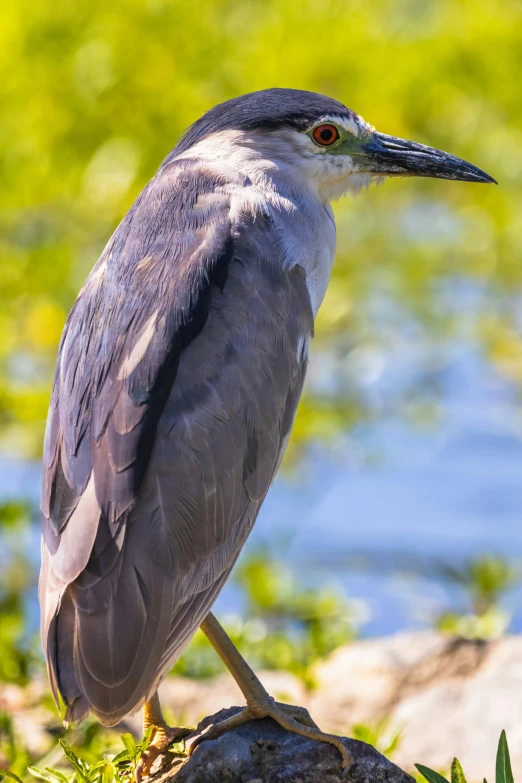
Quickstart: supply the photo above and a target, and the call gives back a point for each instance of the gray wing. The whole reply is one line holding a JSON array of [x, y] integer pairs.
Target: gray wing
[[177, 382]]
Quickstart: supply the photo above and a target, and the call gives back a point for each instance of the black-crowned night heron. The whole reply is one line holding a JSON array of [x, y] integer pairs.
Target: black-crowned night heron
[[179, 373]]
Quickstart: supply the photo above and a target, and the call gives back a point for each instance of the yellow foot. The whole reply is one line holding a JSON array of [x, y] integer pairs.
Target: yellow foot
[[291, 718], [162, 737]]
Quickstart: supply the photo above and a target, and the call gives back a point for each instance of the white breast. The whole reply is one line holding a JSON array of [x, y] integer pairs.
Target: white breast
[[306, 230], [320, 264]]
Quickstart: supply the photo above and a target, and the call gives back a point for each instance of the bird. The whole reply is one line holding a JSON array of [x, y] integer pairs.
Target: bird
[[179, 372]]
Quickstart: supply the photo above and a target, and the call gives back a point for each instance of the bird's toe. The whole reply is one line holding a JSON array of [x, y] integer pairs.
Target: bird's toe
[[163, 737]]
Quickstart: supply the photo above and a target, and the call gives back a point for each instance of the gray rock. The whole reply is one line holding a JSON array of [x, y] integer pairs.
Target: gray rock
[[448, 697], [262, 752]]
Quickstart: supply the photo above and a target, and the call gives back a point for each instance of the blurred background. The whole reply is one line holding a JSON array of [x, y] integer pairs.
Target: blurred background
[[400, 501]]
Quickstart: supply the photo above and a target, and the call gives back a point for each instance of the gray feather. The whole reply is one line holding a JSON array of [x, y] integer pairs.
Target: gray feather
[[177, 382]]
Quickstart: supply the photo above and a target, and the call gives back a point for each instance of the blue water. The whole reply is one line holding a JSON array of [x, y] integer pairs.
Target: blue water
[[395, 501], [376, 511]]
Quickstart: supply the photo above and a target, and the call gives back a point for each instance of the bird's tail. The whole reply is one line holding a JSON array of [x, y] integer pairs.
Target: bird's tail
[[60, 661], [105, 638], [109, 641], [58, 634]]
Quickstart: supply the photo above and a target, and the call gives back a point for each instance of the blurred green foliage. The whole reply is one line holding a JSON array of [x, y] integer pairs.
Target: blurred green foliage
[[13, 754], [484, 580], [95, 94], [18, 653], [15, 652], [290, 627], [382, 735]]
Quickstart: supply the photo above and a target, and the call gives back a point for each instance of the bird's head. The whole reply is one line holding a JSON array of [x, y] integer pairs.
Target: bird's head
[[319, 140]]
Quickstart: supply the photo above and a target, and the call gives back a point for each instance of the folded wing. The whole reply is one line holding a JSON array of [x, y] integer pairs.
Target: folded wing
[[176, 386]]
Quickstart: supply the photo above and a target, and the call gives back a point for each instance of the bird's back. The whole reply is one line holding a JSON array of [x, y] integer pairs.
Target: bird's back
[[179, 374]]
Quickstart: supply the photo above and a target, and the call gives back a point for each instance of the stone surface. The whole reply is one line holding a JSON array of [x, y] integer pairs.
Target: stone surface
[[361, 682], [449, 698], [262, 752]]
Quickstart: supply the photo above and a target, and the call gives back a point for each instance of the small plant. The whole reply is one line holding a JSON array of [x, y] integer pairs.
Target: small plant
[[117, 768], [504, 773]]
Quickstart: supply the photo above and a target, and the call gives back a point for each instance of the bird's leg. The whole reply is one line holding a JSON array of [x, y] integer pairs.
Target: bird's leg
[[259, 703], [162, 736]]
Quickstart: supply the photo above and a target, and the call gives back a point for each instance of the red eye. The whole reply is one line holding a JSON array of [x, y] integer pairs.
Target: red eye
[[325, 135]]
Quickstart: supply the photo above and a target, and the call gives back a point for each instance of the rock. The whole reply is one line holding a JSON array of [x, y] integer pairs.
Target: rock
[[462, 712], [448, 697], [262, 752], [360, 683]]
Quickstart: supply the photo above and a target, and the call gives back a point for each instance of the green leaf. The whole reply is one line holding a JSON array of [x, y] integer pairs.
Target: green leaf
[[73, 759], [108, 774], [5, 773], [128, 741], [95, 770], [430, 774], [503, 766], [37, 773], [457, 775], [123, 755], [57, 774], [97, 765], [178, 748], [146, 739]]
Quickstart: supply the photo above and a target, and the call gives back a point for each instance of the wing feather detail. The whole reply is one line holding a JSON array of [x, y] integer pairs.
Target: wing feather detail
[[177, 382]]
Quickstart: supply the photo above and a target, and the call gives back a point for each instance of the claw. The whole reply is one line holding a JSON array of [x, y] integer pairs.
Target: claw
[[163, 737]]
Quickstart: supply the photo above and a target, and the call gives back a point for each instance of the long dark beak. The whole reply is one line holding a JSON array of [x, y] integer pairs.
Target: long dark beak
[[388, 155]]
